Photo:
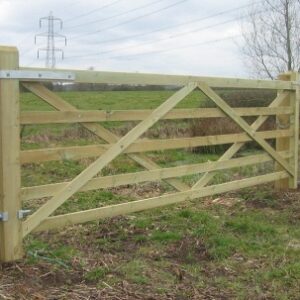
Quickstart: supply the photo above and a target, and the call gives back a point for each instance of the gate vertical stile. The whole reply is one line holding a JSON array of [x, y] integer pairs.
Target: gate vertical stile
[[296, 77], [290, 144], [297, 122], [10, 180]]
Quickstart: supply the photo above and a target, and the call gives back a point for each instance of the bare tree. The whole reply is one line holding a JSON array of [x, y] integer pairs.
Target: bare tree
[[272, 37]]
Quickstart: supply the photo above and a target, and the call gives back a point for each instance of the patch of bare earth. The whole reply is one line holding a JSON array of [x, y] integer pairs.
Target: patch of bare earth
[[188, 250]]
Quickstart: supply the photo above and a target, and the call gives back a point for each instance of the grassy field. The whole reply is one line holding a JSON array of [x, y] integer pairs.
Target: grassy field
[[242, 245]]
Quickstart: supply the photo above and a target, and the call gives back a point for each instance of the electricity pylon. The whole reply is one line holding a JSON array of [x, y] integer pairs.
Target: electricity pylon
[[51, 35]]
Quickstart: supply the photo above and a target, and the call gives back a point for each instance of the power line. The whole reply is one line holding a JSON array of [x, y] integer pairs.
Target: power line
[[161, 39], [117, 15], [163, 29], [172, 49], [92, 11], [157, 40], [171, 36], [131, 20], [174, 26], [177, 48]]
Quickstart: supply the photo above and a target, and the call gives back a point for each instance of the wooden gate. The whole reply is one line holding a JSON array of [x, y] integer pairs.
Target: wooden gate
[[14, 227]]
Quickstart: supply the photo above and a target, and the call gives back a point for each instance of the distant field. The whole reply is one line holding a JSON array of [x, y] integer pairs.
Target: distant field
[[102, 101], [112, 100], [242, 245]]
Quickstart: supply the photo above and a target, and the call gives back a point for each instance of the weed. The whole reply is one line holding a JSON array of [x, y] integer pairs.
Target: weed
[[185, 214], [165, 237], [142, 223], [250, 226], [96, 274], [135, 271]]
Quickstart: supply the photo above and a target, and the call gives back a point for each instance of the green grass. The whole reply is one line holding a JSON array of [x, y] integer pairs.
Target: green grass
[[165, 237], [112, 100], [96, 274], [59, 255], [246, 250]]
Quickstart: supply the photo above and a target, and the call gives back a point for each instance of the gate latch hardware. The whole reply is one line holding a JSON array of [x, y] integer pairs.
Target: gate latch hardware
[[3, 216], [23, 213]]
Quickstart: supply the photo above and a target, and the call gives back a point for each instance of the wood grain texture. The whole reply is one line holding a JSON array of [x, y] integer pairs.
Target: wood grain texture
[[245, 126], [207, 177], [146, 145], [48, 190], [10, 182], [289, 143], [140, 205], [97, 129], [179, 80], [81, 116]]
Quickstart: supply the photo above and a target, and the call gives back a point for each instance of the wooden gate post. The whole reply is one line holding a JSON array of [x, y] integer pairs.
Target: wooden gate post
[[289, 143], [10, 181], [297, 129]]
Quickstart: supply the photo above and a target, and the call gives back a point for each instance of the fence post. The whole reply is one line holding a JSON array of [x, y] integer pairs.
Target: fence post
[[289, 144], [10, 181]]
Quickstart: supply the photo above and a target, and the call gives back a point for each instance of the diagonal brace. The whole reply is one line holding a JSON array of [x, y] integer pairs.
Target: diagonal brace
[[97, 129], [204, 180], [245, 126], [79, 181]]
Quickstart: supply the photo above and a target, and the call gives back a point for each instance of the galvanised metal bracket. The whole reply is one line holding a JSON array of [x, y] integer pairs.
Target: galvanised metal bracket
[[36, 75], [3, 216], [21, 214]]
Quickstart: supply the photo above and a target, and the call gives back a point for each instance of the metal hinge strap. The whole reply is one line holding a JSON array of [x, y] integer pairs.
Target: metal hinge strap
[[34, 75]]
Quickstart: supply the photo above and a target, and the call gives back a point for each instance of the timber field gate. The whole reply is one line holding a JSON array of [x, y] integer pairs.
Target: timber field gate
[[15, 225]]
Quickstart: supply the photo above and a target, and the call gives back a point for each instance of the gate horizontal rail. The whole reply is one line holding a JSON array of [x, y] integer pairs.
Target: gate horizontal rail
[[139, 205], [162, 79], [144, 145], [284, 157], [48, 190], [49, 117]]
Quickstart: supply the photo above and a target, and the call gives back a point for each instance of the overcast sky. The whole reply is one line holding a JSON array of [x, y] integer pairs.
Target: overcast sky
[[200, 37]]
